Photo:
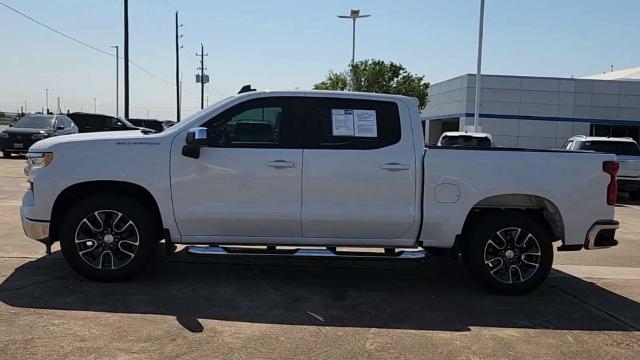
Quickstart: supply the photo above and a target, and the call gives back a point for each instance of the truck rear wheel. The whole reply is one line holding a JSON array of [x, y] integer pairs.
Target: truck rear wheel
[[508, 252], [108, 237], [6, 154]]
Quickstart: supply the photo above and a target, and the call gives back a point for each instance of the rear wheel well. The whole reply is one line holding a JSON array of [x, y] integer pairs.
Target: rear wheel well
[[71, 195], [537, 207]]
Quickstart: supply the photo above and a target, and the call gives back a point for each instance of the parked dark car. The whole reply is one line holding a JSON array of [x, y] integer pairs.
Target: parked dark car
[[25, 132], [156, 125], [87, 122]]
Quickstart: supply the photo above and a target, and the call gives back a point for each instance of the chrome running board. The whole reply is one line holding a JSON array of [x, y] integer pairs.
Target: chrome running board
[[312, 253]]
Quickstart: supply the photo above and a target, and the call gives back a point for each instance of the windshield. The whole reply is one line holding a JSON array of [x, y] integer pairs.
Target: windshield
[[35, 122], [179, 125], [465, 141], [612, 147]]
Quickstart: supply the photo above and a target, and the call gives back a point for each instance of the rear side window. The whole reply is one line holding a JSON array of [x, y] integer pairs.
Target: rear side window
[[612, 147], [466, 141], [328, 124]]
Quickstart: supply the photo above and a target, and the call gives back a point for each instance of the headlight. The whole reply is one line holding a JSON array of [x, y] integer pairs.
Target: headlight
[[38, 160], [4, 135], [39, 136]]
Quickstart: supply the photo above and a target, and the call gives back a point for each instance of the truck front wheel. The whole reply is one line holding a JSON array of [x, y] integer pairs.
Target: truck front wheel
[[508, 252], [108, 237]]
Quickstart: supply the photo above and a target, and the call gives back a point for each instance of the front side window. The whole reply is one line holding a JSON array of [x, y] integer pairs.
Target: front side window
[[568, 145], [268, 123]]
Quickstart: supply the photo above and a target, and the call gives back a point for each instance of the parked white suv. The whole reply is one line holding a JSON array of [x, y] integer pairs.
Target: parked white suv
[[314, 168], [627, 152], [465, 138]]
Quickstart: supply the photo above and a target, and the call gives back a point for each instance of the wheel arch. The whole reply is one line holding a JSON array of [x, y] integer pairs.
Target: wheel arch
[[538, 206], [78, 191]]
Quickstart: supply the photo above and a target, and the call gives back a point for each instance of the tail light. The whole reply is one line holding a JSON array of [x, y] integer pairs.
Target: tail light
[[611, 168]]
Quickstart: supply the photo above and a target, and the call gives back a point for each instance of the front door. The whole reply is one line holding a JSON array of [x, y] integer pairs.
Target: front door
[[247, 181]]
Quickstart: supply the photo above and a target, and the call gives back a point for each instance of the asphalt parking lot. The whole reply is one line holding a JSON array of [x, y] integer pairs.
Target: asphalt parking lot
[[194, 308]]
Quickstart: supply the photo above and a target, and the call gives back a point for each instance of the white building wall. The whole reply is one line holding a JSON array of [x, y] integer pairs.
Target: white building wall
[[560, 108]]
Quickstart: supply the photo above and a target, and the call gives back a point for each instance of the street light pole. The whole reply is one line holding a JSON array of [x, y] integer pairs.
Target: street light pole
[[476, 113], [46, 96], [117, 80], [354, 15], [95, 107]]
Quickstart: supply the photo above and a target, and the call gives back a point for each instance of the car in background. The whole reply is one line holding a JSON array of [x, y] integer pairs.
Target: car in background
[[627, 152], [31, 128], [169, 123], [153, 124], [459, 138], [87, 122]]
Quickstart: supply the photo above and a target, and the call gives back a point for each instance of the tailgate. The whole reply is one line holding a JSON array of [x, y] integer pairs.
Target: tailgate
[[629, 166]]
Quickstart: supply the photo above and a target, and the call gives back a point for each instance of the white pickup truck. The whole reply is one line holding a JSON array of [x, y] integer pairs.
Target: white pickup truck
[[309, 169]]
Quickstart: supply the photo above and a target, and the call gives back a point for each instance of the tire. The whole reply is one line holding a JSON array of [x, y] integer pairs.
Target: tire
[[634, 195], [108, 237], [508, 252], [6, 154]]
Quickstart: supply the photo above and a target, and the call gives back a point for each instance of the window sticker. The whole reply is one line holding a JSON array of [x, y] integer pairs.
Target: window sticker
[[365, 123], [349, 122], [342, 122]]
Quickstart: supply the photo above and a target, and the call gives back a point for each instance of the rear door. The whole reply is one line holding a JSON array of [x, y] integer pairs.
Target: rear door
[[358, 179]]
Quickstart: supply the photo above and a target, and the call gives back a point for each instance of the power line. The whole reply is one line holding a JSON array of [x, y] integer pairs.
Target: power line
[[82, 42], [54, 30]]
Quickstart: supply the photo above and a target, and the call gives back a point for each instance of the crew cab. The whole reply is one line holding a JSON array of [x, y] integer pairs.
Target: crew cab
[[627, 153], [309, 169]]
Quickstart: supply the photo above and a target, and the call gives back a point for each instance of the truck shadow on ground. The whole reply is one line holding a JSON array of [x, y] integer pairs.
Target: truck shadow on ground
[[436, 295]]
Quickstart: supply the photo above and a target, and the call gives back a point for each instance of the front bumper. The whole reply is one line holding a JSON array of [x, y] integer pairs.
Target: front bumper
[[601, 235], [36, 230]]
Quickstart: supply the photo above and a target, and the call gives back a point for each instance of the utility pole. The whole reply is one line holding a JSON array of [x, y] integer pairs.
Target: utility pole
[[117, 78], [25, 106], [476, 113], [178, 47], [202, 78], [46, 96], [126, 59], [59, 111]]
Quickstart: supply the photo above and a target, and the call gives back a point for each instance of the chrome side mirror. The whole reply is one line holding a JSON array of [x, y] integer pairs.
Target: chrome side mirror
[[196, 138]]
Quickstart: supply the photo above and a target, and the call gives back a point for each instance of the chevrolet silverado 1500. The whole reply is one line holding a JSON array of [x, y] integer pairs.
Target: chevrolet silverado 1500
[[314, 169]]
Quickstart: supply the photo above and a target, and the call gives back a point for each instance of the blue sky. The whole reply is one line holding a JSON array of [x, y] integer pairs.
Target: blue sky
[[287, 44]]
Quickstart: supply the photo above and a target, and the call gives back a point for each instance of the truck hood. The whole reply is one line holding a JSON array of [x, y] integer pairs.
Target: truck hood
[[46, 144]]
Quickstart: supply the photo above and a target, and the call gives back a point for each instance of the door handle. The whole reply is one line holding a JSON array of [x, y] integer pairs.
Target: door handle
[[281, 164], [394, 166]]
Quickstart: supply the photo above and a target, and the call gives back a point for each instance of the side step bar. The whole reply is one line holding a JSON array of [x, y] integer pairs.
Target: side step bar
[[312, 253]]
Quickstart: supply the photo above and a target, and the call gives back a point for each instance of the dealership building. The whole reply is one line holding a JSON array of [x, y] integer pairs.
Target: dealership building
[[537, 112]]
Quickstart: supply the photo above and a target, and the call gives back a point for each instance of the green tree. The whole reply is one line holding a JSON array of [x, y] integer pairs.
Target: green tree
[[379, 77]]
